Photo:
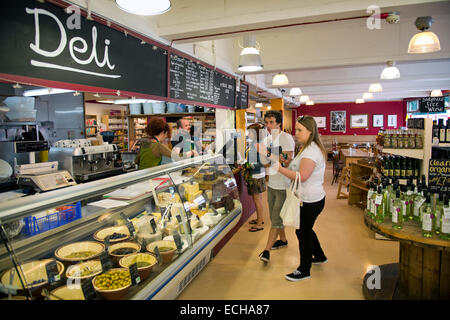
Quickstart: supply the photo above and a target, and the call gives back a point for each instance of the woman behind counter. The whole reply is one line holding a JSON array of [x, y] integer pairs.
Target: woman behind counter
[[152, 148]]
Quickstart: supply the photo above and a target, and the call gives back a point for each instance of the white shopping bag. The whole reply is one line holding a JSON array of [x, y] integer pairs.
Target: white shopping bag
[[290, 212]]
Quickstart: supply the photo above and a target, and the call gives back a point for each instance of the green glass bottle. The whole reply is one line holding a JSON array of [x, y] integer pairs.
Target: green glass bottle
[[373, 198], [369, 200], [416, 170], [409, 169], [439, 209], [419, 200], [410, 199], [403, 168], [404, 202], [427, 218], [392, 198], [379, 205], [387, 188], [397, 168], [391, 167], [397, 218], [445, 219]]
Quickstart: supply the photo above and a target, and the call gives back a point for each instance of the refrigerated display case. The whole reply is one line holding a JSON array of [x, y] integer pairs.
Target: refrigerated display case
[[97, 240]]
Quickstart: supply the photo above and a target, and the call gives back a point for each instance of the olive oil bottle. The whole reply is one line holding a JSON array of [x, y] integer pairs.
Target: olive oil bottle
[[445, 219], [397, 218], [427, 218], [379, 205]]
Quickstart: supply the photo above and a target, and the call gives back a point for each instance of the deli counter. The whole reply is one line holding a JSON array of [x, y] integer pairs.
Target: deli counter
[[139, 235]]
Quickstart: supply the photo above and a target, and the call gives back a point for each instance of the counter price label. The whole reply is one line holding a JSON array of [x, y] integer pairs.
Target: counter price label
[[106, 262], [178, 218], [107, 243], [177, 239], [153, 225], [135, 279], [131, 228], [52, 272], [88, 290], [157, 254]]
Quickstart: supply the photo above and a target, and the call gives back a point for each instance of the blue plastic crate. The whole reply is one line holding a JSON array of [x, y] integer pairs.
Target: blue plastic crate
[[35, 225]]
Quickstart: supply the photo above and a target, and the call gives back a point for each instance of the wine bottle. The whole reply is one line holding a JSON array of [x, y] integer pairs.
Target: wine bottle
[[391, 167], [397, 168], [404, 202], [409, 169], [419, 200], [379, 205], [439, 208], [427, 218], [410, 199], [397, 218], [387, 199], [442, 131], [369, 200], [447, 130], [403, 168], [435, 133], [445, 219]]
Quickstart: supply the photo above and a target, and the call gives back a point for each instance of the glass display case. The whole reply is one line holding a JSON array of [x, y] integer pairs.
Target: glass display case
[[140, 235]]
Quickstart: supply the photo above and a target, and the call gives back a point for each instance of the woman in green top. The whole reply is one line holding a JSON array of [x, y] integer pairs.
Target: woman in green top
[[152, 148]]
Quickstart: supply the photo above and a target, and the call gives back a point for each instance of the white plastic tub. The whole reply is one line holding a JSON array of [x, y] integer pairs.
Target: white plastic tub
[[159, 107], [135, 108], [172, 107], [148, 108]]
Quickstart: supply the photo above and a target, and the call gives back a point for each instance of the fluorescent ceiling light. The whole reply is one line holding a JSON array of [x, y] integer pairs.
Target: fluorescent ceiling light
[[303, 99], [295, 92], [375, 87], [309, 103], [126, 101], [390, 71], [106, 101], [44, 92], [424, 41], [436, 93], [280, 79], [144, 7], [367, 96], [359, 101]]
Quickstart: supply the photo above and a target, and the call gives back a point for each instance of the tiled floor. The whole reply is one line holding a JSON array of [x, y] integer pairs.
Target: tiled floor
[[237, 273]]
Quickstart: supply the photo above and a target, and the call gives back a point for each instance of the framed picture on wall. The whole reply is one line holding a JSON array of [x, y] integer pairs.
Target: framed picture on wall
[[392, 120], [378, 121], [321, 122], [338, 121], [359, 121]]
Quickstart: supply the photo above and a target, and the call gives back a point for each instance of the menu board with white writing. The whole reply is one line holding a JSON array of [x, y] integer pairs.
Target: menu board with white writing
[[195, 82]]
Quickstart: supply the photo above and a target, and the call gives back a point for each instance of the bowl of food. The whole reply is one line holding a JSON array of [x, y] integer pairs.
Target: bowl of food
[[145, 263], [79, 251], [33, 273], [72, 292], [166, 249], [122, 249], [115, 234], [114, 284], [84, 270]]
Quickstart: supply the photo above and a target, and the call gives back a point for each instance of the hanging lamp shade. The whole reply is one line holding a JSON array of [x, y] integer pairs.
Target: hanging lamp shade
[[144, 7], [424, 41], [309, 103], [295, 92], [359, 101], [259, 105], [280, 79], [375, 87], [390, 71], [367, 96], [250, 58], [436, 93], [303, 99]]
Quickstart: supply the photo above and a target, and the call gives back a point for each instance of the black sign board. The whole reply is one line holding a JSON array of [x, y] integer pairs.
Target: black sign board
[[178, 243], [157, 254], [439, 174], [106, 261], [242, 97], [135, 279], [41, 40], [432, 104], [52, 272], [130, 227], [88, 290], [153, 225], [193, 81]]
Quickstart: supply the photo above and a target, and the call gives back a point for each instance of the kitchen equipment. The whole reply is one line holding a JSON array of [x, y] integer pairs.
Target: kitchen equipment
[[88, 163], [43, 176]]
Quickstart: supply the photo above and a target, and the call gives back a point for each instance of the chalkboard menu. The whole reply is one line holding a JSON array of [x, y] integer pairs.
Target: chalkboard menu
[[432, 104], [41, 40], [242, 97], [439, 174], [192, 81]]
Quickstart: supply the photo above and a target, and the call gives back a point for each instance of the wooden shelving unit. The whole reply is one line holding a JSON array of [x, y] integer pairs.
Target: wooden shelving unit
[[358, 189], [119, 124], [91, 127]]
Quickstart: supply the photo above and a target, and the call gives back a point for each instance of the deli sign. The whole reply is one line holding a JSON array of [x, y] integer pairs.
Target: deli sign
[[41, 40]]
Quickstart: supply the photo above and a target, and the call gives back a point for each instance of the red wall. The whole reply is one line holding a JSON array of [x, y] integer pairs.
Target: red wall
[[370, 108]]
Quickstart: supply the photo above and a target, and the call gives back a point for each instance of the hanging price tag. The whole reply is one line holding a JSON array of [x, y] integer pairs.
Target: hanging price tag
[[177, 239], [88, 290], [106, 262], [52, 272], [135, 279], [157, 254]]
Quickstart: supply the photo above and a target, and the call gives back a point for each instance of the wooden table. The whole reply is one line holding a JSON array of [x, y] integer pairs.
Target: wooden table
[[423, 271], [349, 156]]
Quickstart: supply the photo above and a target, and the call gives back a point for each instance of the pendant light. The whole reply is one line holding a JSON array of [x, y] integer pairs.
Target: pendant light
[[367, 96], [259, 105], [436, 93], [390, 71], [375, 87], [144, 7], [424, 41], [250, 59], [280, 79], [295, 92], [303, 99], [44, 92], [359, 101], [309, 103]]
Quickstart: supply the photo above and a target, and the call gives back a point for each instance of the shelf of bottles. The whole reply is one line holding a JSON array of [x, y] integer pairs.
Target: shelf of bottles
[[419, 206]]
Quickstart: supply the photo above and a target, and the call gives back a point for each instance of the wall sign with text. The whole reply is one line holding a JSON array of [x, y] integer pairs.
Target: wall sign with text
[[439, 174], [432, 104], [41, 40]]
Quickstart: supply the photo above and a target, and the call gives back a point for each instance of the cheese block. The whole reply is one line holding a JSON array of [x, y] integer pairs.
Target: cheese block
[[190, 188], [191, 196], [198, 212]]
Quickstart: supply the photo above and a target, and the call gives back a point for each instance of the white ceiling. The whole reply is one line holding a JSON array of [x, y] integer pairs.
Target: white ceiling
[[329, 61]]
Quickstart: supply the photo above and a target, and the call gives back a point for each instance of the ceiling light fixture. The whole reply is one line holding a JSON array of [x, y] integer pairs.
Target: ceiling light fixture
[[309, 103], [367, 96], [97, 95], [424, 41], [359, 101], [76, 93], [44, 91], [144, 7], [375, 87], [295, 92], [17, 86], [259, 105], [250, 59], [390, 71], [132, 100], [303, 99], [436, 93], [106, 101], [280, 79]]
